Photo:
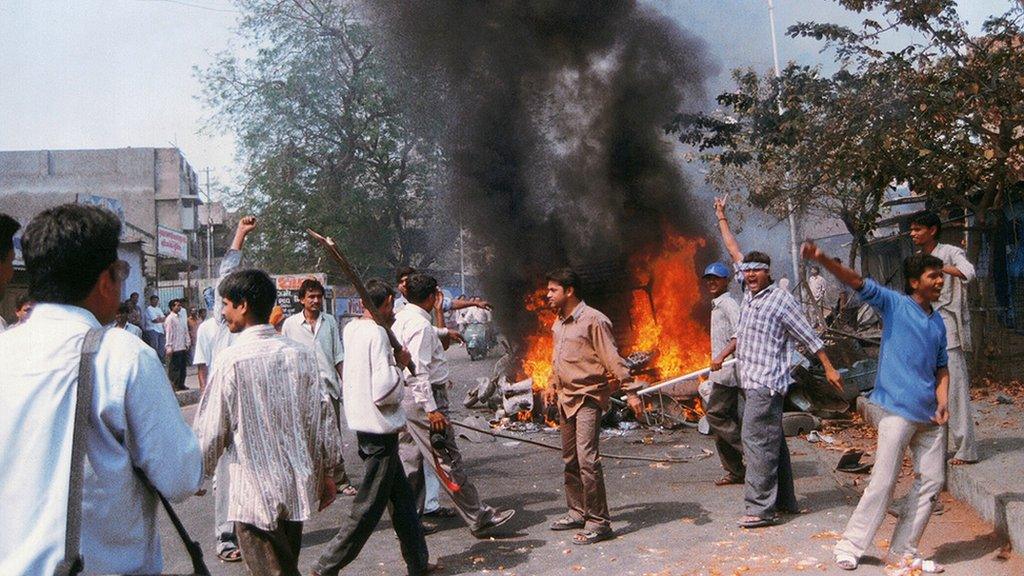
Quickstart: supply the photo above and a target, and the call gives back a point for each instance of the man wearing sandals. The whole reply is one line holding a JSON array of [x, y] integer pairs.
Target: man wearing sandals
[[586, 367], [911, 393], [771, 322]]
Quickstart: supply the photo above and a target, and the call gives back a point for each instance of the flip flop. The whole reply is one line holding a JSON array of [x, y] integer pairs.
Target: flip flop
[[753, 522], [588, 537], [348, 490], [566, 523], [230, 555], [928, 566]]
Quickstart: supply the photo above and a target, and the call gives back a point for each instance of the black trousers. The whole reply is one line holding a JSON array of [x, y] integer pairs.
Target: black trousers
[[384, 483], [176, 367]]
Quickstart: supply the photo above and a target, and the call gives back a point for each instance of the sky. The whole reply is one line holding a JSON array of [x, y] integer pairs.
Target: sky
[[118, 73]]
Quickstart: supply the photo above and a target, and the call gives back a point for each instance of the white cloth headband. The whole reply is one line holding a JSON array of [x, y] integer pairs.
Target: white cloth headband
[[753, 266]]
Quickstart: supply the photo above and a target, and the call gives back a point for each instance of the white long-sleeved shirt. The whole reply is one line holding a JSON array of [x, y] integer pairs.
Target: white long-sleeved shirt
[[263, 410], [135, 422], [372, 383], [156, 319], [952, 303], [176, 333], [413, 329]]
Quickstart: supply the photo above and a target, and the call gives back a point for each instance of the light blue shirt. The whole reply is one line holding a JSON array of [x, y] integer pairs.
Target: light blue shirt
[[913, 348], [135, 422]]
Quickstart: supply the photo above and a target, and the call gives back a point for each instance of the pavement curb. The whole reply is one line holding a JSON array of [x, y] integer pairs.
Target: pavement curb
[[1003, 508]]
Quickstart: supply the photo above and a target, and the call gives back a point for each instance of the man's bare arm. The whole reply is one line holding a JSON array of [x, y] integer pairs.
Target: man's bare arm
[[727, 236], [847, 276], [245, 225]]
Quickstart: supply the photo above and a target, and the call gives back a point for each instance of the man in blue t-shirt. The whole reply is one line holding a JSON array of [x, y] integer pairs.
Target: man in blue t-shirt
[[911, 389]]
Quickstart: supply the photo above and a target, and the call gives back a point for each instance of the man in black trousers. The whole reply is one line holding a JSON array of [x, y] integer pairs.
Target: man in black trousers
[[373, 387]]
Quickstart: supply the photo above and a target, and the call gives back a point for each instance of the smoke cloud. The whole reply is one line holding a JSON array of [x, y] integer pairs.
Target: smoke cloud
[[551, 113]]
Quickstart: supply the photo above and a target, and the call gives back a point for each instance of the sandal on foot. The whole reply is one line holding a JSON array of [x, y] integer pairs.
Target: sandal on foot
[[588, 537], [348, 490], [927, 566], [729, 479], [757, 521], [846, 561], [230, 555], [566, 523], [961, 462]]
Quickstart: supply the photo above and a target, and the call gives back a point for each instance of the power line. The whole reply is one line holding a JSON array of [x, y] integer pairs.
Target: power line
[[191, 5]]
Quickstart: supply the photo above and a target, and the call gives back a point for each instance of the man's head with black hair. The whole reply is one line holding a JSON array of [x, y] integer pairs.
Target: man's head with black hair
[[563, 289], [8, 226], [154, 300], [420, 288], [311, 295], [401, 275], [757, 274], [924, 229], [248, 297], [23, 307], [382, 295], [71, 258], [922, 276]]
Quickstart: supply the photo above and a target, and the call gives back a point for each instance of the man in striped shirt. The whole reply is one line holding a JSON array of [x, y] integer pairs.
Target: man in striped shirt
[[264, 410], [771, 323]]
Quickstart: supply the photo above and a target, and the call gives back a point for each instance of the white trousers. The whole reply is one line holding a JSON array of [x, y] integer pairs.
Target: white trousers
[[927, 444], [961, 413]]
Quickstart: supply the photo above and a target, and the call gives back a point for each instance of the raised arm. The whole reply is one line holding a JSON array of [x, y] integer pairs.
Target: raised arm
[[847, 276], [727, 236]]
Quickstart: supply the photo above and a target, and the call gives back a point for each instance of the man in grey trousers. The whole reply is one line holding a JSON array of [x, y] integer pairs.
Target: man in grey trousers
[[771, 323]]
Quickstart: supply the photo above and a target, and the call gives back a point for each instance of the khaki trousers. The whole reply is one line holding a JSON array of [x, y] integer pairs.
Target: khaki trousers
[[927, 447], [584, 476]]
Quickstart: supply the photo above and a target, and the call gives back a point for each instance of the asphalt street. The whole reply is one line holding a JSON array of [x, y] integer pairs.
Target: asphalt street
[[670, 519]]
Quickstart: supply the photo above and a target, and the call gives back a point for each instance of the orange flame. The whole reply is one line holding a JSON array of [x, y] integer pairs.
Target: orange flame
[[662, 314]]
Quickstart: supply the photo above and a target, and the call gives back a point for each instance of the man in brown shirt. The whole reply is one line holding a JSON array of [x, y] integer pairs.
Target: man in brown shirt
[[586, 369]]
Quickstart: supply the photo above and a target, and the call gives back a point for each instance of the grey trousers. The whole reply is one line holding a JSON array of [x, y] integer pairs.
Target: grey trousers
[[769, 478], [724, 418], [415, 451], [961, 413], [927, 447]]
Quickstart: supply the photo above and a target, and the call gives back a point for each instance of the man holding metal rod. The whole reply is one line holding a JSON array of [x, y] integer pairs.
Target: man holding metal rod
[[771, 323], [586, 369]]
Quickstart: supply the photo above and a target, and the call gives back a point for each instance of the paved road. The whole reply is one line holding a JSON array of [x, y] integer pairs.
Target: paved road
[[670, 519]]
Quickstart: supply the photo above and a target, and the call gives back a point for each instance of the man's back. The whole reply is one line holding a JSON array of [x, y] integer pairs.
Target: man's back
[[264, 405], [135, 422]]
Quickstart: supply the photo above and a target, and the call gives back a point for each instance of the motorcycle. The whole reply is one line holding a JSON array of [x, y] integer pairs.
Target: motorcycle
[[476, 341]]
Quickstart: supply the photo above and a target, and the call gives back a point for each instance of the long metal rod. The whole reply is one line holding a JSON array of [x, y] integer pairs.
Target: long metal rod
[[691, 376]]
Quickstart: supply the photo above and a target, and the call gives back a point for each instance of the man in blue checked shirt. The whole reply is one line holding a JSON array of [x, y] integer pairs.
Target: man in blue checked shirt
[[911, 389], [771, 323]]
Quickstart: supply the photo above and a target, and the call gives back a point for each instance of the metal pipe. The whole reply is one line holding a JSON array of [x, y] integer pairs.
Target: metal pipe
[[691, 376]]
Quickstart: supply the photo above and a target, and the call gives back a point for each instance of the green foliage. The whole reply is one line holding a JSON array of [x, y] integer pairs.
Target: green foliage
[[323, 142]]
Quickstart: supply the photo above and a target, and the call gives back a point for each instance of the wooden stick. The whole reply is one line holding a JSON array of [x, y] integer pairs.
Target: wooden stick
[[332, 250]]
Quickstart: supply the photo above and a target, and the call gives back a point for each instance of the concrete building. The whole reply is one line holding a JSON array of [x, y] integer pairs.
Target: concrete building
[[151, 188]]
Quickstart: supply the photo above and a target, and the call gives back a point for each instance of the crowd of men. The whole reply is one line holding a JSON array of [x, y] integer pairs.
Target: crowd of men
[[268, 429]]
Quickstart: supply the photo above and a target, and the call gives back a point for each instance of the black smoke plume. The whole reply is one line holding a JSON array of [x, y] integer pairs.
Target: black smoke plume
[[551, 113]]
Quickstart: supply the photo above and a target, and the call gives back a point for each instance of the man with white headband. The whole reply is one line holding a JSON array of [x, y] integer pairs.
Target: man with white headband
[[771, 323]]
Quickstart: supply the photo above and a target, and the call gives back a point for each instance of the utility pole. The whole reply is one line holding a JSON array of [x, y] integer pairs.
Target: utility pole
[[209, 228], [794, 249], [462, 262]]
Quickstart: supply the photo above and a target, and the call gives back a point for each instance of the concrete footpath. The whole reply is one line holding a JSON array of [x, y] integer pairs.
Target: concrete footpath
[[994, 486]]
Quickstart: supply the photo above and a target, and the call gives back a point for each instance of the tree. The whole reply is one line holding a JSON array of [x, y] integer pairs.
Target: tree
[[323, 142], [965, 94]]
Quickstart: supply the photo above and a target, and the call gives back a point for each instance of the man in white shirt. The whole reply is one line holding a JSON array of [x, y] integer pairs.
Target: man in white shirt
[[154, 329], [319, 332], [818, 287], [212, 337], [723, 402], [263, 409], [428, 436], [121, 321], [177, 345], [134, 421], [8, 226], [373, 390], [953, 307]]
